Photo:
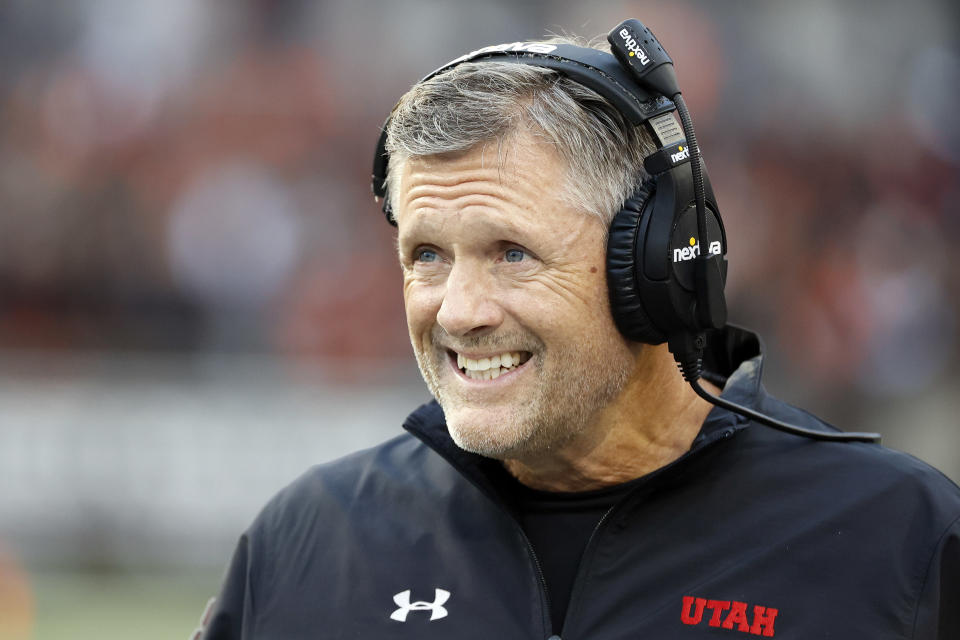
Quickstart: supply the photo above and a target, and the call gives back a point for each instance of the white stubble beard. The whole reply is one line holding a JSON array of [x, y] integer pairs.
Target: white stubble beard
[[571, 390]]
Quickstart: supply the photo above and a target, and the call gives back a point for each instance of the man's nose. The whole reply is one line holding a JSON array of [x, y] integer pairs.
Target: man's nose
[[469, 304]]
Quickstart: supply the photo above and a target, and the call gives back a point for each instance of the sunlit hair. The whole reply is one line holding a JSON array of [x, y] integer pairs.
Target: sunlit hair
[[482, 102]]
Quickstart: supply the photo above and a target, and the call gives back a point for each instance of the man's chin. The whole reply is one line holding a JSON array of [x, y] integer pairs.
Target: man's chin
[[490, 433]]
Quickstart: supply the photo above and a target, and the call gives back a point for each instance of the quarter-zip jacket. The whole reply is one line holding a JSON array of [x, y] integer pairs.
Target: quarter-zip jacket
[[752, 532]]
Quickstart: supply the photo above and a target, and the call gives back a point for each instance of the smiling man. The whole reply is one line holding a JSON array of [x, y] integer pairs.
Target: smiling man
[[568, 479], [506, 298]]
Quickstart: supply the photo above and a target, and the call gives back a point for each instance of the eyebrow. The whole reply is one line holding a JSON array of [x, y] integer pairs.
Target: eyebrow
[[504, 226]]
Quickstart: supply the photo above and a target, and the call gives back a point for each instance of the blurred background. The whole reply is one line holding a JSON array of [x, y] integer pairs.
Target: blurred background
[[199, 298]]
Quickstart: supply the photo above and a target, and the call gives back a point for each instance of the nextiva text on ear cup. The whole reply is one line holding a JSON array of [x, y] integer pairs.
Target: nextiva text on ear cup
[[666, 276], [626, 302], [650, 258]]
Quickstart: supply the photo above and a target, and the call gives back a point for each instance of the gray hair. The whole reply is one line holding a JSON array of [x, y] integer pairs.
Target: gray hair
[[479, 102]]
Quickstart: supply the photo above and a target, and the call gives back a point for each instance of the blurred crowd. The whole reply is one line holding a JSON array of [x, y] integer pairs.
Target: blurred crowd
[[185, 176]]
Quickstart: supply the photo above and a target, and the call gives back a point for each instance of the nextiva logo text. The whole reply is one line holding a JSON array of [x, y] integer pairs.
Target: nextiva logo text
[[634, 47], [691, 252]]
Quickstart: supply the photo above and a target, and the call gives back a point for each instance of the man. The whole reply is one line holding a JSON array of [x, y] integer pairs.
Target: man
[[567, 480]]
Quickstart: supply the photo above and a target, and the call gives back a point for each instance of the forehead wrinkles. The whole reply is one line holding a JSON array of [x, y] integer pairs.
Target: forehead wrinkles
[[466, 191], [520, 172]]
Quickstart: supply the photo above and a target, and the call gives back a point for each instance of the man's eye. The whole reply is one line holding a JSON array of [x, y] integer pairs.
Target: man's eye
[[426, 255], [514, 255]]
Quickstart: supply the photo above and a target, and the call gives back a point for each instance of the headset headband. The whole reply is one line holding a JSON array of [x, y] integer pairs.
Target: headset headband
[[592, 68]]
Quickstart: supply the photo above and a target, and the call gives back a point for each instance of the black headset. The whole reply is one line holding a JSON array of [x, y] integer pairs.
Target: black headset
[[666, 248]]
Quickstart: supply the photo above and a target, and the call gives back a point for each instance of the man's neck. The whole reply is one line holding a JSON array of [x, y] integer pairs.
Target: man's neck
[[652, 422]]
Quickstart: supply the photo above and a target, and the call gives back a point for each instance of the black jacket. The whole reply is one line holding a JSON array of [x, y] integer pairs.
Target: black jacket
[[751, 533]]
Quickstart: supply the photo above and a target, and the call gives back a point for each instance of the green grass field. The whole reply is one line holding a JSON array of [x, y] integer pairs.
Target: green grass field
[[147, 606]]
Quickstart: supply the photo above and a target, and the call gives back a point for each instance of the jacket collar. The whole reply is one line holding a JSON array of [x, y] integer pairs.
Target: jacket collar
[[733, 360]]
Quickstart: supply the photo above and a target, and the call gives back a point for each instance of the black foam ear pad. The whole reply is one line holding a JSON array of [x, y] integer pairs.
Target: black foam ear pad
[[626, 304]]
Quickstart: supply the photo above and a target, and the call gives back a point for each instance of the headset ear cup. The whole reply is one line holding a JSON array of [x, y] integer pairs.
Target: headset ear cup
[[626, 304]]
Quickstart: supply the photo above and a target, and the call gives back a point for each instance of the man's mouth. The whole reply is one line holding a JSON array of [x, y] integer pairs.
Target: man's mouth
[[489, 367]]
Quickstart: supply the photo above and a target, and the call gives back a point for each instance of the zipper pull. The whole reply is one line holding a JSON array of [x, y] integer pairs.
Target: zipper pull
[[554, 637]]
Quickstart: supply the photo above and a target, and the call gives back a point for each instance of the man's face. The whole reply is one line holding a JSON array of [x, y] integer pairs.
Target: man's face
[[506, 298]]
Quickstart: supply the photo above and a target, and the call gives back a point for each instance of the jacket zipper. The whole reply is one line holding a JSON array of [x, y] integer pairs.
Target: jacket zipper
[[547, 616], [575, 594]]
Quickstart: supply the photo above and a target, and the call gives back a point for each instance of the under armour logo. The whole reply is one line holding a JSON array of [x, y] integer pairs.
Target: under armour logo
[[436, 607]]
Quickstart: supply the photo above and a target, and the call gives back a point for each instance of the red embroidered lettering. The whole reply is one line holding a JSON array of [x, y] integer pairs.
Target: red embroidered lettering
[[718, 607], [737, 616], [691, 613], [763, 618], [688, 603]]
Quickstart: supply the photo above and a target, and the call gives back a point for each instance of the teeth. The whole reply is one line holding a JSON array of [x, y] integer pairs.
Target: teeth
[[488, 368]]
